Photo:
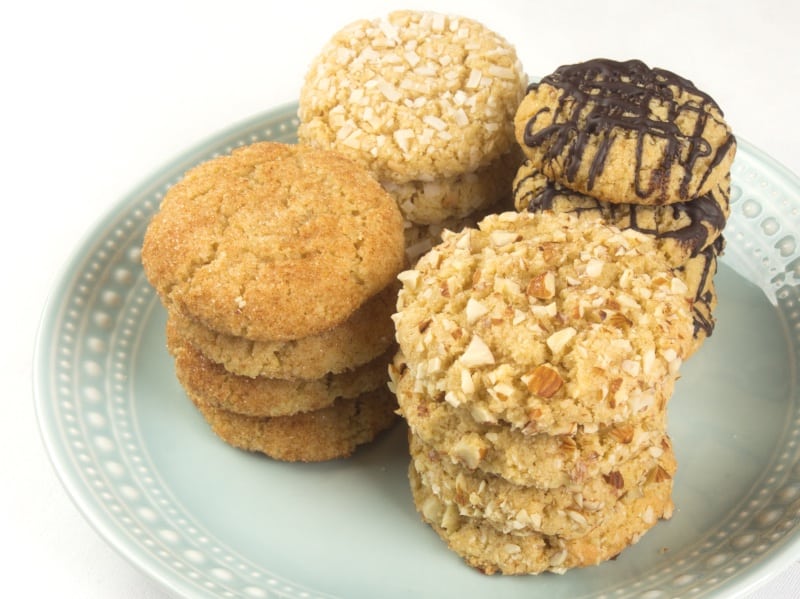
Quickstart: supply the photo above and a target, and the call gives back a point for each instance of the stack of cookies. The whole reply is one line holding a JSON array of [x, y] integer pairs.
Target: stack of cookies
[[425, 102], [536, 357], [538, 352], [277, 266], [641, 148]]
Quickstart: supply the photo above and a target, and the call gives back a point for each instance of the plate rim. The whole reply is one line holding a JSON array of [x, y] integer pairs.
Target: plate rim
[[781, 555]]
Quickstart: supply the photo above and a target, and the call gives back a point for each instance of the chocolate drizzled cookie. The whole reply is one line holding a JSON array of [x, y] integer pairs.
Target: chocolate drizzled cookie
[[623, 132]]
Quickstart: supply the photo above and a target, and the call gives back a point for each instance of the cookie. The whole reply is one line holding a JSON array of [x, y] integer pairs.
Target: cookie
[[365, 335], [320, 435], [413, 96], [490, 551], [434, 202], [626, 133], [262, 396], [545, 322], [698, 274], [682, 229], [273, 242], [569, 511], [535, 459]]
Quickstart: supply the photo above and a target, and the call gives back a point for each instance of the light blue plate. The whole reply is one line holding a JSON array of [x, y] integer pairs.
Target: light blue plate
[[207, 520]]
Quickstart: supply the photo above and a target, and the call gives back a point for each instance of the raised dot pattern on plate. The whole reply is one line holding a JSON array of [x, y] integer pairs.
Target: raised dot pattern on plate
[[96, 332]]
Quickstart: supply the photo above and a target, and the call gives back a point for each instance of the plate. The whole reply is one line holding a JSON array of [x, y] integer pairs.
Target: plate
[[207, 520]]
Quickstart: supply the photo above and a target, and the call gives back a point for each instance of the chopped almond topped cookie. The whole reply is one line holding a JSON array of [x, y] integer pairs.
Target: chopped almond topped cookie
[[539, 460], [568, 512], [537, 355], [426, 102], [485, 548], [545, 322], [688, 234]]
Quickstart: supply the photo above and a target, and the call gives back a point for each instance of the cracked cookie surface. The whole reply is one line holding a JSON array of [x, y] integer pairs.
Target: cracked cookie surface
[[273, 242]]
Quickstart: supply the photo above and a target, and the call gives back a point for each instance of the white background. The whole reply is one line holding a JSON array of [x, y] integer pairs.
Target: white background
[[95, 96]]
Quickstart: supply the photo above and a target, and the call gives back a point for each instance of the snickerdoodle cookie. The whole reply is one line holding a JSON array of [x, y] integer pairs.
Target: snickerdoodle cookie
[[273, 242]]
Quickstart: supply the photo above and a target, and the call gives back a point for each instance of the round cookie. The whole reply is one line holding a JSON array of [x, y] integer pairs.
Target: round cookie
[[413, 96], [569, 512], [437, 201], [365, 335], [539, 459], [545, 322], [273, 242], [262, 396], [325, 434], [682, 229], [484, 548], [623, 132]]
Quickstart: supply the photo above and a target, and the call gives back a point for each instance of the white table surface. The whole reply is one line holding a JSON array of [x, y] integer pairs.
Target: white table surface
[[97, 95]]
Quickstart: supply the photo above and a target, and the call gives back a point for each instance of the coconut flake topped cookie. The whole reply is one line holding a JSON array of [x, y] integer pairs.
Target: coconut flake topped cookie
[[414, 95]]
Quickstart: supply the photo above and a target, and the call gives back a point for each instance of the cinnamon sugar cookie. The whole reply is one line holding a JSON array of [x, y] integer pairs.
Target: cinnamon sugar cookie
[[365, 335], [273, 242], [262, 396], [325, 434]]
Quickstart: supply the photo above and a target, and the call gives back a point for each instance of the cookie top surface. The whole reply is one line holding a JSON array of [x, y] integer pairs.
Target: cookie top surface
[[414, 95], [273, 242], [545, 322], [623, 132], [683, 229]]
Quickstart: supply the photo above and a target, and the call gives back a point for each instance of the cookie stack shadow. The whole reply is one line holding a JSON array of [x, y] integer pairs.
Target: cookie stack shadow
[[279, 311], [539, 351]]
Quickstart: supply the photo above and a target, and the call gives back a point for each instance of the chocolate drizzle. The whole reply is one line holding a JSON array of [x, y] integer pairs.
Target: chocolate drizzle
[[704, 214], [603, 99], [702, 316]]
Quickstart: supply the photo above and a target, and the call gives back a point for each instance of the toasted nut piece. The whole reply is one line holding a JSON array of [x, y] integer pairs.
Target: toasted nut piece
[[614, 478], [658, 475], [475, 310], [622, 433], [469, 452], [558, 340], [544, 381], [477, 353], [542, 286]]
